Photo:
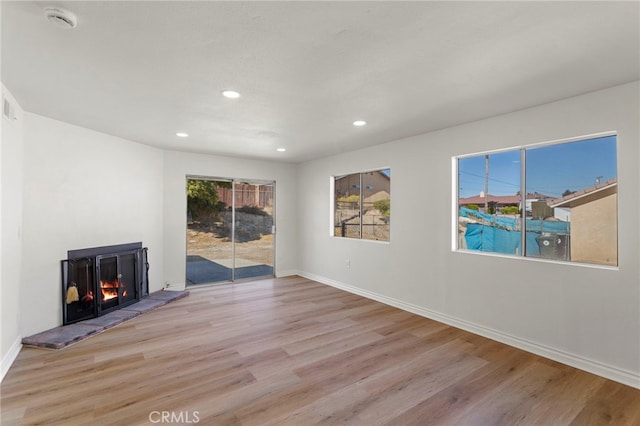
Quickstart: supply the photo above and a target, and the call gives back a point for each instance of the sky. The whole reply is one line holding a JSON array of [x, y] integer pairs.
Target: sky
[[550, 169]]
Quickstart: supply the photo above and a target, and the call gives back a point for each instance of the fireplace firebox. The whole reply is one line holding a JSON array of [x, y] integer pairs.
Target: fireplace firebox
[[99, 280]]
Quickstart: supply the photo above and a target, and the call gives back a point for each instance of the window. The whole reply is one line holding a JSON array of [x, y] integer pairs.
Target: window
[[362, 205], [569, 210]]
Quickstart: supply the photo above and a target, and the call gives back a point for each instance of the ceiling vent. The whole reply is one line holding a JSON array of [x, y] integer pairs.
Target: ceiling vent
[[62, 18]]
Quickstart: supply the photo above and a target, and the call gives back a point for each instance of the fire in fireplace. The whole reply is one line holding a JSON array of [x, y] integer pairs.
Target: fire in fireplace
[[99, 280], [110, 290]]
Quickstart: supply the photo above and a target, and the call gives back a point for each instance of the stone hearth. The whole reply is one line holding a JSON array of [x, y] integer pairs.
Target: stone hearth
[[63, 336]]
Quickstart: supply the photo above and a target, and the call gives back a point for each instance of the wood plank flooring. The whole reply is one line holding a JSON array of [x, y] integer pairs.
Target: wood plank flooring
[[291, 351]]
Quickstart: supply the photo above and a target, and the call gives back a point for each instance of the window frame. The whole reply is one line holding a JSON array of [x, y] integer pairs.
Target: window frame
[[332, 204], [523, 185]]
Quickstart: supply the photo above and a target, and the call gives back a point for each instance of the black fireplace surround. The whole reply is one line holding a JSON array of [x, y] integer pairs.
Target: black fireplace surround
[[99, 280]]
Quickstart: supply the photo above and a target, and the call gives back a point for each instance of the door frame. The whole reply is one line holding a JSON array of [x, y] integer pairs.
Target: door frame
[[233, 181]]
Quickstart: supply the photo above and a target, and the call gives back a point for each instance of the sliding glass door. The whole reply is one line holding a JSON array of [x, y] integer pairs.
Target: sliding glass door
[[230, 230], [254, 229]]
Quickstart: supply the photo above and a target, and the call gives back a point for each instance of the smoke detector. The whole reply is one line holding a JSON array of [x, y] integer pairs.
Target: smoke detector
[[60, 17]]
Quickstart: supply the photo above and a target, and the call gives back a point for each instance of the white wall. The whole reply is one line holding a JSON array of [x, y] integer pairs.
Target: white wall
[[588, 317], [10, 232], [82, 189], [78, 191], [178, 165]]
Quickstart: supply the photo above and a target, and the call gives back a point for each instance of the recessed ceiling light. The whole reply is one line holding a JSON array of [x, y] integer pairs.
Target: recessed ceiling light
[[182, 135], [281, 149], [359, 123], [231, 94]]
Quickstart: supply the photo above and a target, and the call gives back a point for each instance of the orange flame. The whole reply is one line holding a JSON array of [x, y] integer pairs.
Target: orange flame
[[110, 289]]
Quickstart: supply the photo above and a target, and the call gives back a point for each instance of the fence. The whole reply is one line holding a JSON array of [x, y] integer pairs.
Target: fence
[[354, 205], [247, 195], [374, 227]]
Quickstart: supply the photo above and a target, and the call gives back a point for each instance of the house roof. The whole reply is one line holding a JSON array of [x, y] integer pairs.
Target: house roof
[[600, 190], [379, 172], [500, 199]]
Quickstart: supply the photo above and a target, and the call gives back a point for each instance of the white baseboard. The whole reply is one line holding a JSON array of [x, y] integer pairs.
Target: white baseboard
[[286, 273], [11, 356], [626, 377]]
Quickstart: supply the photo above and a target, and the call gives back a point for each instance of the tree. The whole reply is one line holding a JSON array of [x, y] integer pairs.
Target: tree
[[510, 210], [383, 206], [202, 195], [568, 192]]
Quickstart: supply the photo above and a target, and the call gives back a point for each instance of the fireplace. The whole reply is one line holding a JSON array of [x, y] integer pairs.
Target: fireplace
[[99, 280]]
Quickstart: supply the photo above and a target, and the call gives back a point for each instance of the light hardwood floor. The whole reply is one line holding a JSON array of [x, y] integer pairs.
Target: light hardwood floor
[[293, 351]]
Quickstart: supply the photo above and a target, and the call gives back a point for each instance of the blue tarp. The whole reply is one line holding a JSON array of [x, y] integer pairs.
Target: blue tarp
[[497, 240], [511, 223], [500, 234]]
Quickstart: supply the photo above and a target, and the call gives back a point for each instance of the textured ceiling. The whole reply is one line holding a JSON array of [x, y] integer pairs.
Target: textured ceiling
[[306, 70]]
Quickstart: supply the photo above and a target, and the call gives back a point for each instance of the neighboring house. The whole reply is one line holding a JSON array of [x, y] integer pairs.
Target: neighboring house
[[499, 201], [376, 186], [562, 213], [594, 224]]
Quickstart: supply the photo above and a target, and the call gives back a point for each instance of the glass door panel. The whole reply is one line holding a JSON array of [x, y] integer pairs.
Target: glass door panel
[[230, 230], [254, 229], [209, 231]]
